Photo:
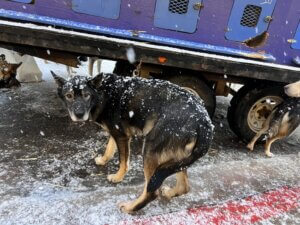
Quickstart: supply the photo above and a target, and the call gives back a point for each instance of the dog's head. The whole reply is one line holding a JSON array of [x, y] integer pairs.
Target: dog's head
[[293, 90], [8, 73], [79, 95]]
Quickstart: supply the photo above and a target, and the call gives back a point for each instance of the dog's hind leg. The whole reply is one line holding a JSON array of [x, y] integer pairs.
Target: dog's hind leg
[[268, 145], [147, 196], [108, 154], [91, 62], [99, 62], [124, 150], [251, 144], [182, 186]]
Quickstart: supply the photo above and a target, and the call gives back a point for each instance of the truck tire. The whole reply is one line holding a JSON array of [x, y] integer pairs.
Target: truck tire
[[250, 107], [199, 88]]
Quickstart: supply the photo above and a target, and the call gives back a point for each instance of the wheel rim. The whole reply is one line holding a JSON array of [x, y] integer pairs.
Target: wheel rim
[[192, 91], [260, 111]]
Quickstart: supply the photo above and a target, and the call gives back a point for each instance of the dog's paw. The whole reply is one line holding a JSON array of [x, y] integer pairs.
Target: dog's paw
[[100, 160], [114, 178], [269, 154], [250, 147], [126, 207], [167, 193]]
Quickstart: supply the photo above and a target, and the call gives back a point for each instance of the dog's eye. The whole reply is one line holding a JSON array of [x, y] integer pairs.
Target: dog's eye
[[86, 95], [69, 96]]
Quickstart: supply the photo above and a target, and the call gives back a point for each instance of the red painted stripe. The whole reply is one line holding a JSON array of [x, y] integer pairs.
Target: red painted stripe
[[239, 212]]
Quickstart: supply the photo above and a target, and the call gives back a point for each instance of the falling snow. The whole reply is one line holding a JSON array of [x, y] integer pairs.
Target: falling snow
[[131, 113], [130, 53]]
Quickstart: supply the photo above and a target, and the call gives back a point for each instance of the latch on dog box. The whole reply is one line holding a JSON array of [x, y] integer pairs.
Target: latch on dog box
[[198, 6]]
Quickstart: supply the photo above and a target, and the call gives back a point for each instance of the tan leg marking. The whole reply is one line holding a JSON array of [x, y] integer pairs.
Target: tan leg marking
[[108, 154], [182, 186], [251, 144], [145, 197], [268, 145], [283, 132], [124, 151]]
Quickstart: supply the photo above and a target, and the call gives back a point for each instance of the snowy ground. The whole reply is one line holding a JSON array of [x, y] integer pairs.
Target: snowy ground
[[48, 176]]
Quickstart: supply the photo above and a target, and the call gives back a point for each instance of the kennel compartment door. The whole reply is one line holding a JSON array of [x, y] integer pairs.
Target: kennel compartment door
[[249, 19], [296, 40], [104, 8], [179, 15], [22, 1]]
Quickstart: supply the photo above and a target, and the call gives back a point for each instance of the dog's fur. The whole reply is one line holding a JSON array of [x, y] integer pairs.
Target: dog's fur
[[282, 121], [8, 73], [174, 125], [293, 90]]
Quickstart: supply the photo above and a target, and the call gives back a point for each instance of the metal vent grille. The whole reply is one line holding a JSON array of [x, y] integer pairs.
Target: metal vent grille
[[251, 16], [178, 6]]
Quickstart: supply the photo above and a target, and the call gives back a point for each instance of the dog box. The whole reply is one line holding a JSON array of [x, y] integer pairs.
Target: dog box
[[22, 1], [296, 40], [179, 15], [249, 18], [103, 8]]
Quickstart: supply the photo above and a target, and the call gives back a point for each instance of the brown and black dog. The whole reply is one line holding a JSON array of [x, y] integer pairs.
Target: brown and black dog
[[8, 73], [282, 121], [174, 125]]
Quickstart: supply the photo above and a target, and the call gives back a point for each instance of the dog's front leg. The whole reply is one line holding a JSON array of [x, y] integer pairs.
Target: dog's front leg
[[108, 154], [124, 151]]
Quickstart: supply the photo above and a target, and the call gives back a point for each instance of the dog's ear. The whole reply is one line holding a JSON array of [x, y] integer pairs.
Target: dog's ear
[[59, 80], [96, 81]]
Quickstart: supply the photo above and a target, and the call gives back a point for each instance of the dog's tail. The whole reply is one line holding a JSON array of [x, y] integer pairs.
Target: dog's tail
[[202, 145]]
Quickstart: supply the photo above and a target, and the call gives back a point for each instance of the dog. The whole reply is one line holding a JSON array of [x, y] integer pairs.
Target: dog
[[282, 121], [293, 90], [174, 125], [91, 62], [8, 73]]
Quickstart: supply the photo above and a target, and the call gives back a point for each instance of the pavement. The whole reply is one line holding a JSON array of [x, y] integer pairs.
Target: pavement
[[48, 175]]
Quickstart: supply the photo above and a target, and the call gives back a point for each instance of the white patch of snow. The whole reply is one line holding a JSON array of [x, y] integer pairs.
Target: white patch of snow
[[130, 53], [131, 113], [42, 133]]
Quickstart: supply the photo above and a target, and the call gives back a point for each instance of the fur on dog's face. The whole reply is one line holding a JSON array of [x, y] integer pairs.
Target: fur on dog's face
[[78, 95], [293, 90], [8, 73]]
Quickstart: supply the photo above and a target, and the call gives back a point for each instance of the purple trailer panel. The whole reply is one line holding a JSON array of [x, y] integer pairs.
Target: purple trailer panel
[[144, 20]]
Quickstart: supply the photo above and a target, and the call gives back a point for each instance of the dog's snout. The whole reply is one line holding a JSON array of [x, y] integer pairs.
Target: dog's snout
[[79, 114], [79, 110]]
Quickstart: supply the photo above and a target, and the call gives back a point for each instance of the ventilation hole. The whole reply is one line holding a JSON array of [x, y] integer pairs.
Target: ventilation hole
[[251, 16], [178, 6]]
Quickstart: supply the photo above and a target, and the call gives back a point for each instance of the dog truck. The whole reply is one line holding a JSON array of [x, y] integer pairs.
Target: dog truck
[[205, 46]]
